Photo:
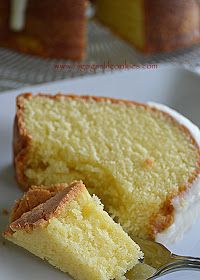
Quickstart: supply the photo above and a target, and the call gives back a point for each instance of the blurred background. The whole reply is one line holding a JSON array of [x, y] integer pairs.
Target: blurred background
[[43, 41]]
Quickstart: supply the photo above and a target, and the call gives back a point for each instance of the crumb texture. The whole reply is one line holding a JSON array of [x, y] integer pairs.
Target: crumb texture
[[133, 19], [134, 158], [82, 235], [141, 271]]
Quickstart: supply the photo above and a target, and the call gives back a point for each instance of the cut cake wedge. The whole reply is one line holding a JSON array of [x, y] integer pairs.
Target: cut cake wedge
[[141, 160], [73, 233]]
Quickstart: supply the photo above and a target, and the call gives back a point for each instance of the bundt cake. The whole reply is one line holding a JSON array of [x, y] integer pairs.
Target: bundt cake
[[48, 28], [73, 233], [142, 160], [152, 25], [58, 29]]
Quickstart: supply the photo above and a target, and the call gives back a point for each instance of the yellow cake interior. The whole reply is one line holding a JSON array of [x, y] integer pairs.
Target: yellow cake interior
[[82, 240], [132, 157], [128, 21], [141, 271]]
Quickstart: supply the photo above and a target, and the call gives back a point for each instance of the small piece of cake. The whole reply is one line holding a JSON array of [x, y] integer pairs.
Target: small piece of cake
[[152, 25], [33, 197], [141, 271], [142, 160], [73, 233], [47, 28]]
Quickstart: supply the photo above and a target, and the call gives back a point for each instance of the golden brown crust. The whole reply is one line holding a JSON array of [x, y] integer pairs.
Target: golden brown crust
[[33, 197], [52, 29], [168, 25], [41, 214], [21, 143], [161, 220], [171, 24]]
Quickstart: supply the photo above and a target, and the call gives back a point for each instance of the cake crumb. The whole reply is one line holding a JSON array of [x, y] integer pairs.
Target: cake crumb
[[3, 243], [148, 163], [5, 212]]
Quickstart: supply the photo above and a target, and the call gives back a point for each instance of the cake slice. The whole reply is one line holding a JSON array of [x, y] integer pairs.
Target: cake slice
[[152, 25], [142, 160], [73, 233], [48, 28]]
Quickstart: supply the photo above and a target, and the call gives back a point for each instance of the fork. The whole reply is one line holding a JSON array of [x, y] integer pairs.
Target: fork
[[164, 261]]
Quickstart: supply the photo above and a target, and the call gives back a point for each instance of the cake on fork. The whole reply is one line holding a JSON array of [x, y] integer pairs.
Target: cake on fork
[[73, 233]]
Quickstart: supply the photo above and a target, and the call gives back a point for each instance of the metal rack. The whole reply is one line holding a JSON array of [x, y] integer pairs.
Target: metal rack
[[19, 70]]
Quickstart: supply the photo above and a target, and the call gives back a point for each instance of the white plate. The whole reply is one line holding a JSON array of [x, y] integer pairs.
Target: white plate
[[176, 87]]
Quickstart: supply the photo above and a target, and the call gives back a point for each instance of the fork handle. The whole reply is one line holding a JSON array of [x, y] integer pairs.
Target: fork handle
[[184, 258], [179, 263]]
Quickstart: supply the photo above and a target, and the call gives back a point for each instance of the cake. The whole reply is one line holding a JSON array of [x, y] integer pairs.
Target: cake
[[45, 28], [141, 271], [58, 30], [152, 25], [141, 160], [73, 233], [35, 196]]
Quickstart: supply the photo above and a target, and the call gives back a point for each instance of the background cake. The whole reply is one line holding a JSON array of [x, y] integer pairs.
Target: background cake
[[58, 30], [73, 233], [152, 25], [143, 161], [45, 28]]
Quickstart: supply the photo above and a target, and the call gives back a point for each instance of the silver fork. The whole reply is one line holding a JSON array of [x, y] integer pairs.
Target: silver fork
[[164, 261]]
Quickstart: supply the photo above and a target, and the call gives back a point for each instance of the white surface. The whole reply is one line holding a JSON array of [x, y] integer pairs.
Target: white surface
[[175, 87]]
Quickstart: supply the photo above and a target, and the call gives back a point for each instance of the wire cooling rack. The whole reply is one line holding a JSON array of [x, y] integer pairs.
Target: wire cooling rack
[[19, 70]]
